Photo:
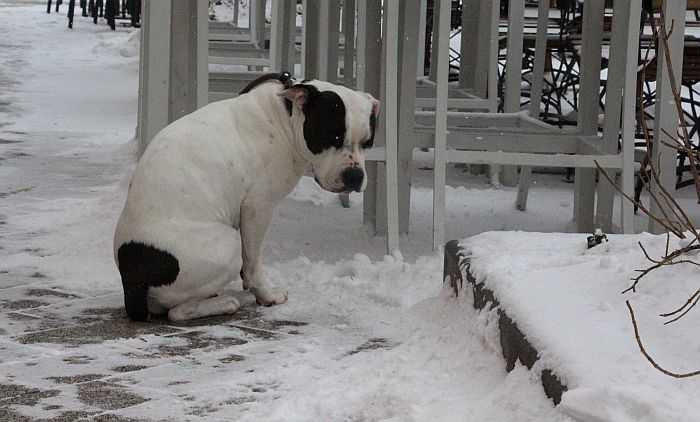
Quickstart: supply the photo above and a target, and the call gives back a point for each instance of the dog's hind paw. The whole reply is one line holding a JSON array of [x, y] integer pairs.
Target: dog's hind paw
[[270, 297], [217, 305]]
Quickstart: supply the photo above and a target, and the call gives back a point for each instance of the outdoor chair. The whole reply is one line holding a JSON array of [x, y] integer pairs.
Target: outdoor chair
[[519, 138]]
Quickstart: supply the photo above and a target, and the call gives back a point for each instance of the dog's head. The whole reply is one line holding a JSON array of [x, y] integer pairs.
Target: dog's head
[[338, 127]]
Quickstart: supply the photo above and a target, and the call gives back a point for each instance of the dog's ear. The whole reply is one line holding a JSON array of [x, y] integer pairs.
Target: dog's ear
[[297, 94], [375, 103]]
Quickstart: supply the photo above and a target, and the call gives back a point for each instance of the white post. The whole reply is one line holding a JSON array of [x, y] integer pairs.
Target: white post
[[420, 69], [584, 189], [665, 114], [329, 29], [408, 43], [369, 58], [154, 75], [188, 58], [625, 22], [349, 36], [442, 69], [628, 120], [535, 95], [256, 22], [309, 39], [390, 117], [514, 70], [282, 33]]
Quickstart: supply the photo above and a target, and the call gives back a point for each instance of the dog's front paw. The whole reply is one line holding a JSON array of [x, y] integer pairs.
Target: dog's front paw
[[270, 297]]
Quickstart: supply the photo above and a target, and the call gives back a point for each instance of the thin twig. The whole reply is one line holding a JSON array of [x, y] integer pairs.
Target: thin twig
[[639, 204], [646, 355], [677, 97], [683, 314], [667, 260], [682, 307]]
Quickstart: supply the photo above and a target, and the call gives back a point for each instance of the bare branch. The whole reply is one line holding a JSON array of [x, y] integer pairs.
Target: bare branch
[[677, 97], [647, 356], [682, 307]]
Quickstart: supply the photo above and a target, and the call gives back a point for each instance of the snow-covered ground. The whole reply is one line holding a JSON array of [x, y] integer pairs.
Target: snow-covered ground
[[363, 336]]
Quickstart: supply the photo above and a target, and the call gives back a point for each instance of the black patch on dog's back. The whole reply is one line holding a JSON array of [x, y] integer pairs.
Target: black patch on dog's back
[[324, 120], [142, 266]]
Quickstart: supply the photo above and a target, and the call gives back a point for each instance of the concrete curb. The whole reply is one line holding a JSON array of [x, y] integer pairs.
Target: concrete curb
[[514, 344]]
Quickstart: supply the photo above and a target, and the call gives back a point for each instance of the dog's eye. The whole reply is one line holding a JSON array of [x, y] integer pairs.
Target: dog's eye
[[368, 143]]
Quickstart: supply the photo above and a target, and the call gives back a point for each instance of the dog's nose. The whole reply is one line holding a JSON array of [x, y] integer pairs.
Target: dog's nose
[[352, 178]]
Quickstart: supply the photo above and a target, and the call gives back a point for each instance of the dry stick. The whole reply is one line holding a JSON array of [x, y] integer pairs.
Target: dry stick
[[683, 219], [687, 145], [656, 175], [694, 154], [680, 148], [639, 204], [633, 287], [677, 221], [676, 97], [653, 171], [683, 314], [646, 355], [667, 260], [666, 315]]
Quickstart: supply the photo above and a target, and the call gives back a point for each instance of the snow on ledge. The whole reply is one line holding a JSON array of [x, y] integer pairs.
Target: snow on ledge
[[567, 301]]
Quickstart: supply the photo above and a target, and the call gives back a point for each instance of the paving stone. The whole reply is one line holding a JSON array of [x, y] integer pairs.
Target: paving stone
[[75, 379], [16, 305], [17, 323], [109, 417], [232, 358], [14, 394], [197, 340], [95, 333], [78, 360], [257, 332], [51, 292], [128, 368], [107, 395], [69, 416], [10, 415], [371, 344]]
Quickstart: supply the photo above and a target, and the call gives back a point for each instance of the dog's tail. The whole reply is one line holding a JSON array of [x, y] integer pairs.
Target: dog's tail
[[142, 266]]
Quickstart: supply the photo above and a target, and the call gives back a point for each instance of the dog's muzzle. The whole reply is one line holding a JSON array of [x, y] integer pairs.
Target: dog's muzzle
[[352, 178]]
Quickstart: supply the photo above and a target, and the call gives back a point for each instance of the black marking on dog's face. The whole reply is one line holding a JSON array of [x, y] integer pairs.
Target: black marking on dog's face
[[324, 120], [372, 126], [142, 266]]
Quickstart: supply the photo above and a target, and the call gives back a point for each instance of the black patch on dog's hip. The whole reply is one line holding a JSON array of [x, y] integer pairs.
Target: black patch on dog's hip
[[142, 266]]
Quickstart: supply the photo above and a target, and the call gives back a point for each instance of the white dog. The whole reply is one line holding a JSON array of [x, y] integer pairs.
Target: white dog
[[203, 193]]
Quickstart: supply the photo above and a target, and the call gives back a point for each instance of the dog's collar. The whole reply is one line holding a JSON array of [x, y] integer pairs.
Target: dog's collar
[[285, 78], [287, 82]]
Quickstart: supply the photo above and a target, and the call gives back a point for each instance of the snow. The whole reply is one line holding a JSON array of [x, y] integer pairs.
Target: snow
[[363, 337], [590, 344]]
